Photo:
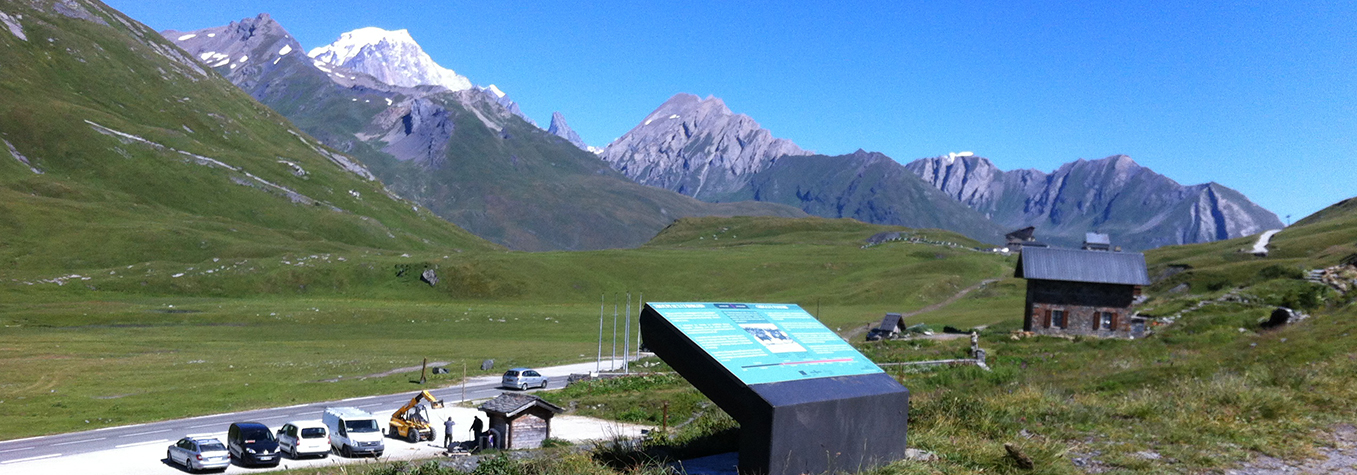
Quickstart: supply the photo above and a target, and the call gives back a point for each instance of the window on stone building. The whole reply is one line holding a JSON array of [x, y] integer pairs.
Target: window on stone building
[[1058, 318], [1105, 320]]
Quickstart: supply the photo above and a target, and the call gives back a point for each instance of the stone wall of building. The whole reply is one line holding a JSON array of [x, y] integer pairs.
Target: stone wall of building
[[1083, 306]]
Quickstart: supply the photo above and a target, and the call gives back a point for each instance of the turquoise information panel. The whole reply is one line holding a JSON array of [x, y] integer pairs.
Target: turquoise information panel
[[766, 343]]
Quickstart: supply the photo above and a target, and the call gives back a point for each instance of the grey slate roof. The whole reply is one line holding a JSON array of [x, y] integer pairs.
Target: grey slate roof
[[513, 403], [1077, 265], [890, 323]]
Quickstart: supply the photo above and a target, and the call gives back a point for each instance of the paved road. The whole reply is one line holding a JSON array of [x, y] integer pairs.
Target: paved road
[[14, 453]]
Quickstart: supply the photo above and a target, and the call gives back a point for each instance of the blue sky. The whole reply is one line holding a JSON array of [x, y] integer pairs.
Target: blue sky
[[1261, 98]]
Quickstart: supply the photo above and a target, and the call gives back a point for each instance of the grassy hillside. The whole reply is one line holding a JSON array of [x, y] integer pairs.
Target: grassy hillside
[[135, 153]]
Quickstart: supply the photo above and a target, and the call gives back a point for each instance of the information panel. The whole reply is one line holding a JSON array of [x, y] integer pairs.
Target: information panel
[[765, 343]]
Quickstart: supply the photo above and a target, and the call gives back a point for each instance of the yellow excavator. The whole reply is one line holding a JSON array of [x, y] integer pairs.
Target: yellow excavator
[[411, 421]]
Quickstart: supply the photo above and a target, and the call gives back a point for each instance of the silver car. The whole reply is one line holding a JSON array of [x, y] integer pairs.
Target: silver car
[[199, 454], [523, 378]]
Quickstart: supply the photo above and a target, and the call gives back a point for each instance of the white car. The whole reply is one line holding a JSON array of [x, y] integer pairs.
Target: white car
[[304, 438]]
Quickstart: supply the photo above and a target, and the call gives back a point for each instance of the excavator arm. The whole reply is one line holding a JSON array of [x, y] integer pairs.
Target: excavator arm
[[414, 401]]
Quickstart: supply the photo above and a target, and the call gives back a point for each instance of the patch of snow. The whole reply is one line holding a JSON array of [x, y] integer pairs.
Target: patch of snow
[[211, 35], [388, 101], [286, 49], [207, 54], [275, 60], [648, 121], [187, 37], [675, 116], [22, 159], [392, 57], [495, 90], [233, 66], [243, 58], [14, 26]]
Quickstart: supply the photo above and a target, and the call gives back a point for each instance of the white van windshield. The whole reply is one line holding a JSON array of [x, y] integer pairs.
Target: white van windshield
[[368, 425]]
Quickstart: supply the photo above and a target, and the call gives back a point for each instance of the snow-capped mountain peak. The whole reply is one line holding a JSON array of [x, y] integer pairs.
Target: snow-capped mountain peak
[[390, 56], [495, 90]]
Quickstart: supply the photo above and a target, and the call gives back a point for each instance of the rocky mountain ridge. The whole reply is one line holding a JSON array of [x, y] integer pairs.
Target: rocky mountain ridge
[[696, 147], [467, 155], [560, 129], [1141, 209]]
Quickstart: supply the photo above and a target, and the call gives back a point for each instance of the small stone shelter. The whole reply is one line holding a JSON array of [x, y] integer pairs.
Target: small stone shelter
[[1082, 292], [891, 326], [520, 421]]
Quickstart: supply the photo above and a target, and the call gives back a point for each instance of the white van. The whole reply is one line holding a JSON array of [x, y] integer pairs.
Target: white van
[[304, 438], [353, 431]]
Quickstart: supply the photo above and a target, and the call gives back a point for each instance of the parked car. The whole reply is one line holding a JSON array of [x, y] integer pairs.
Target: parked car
[[252, 443], [523, 378], [304, 438], [353, 431], [199, 454]]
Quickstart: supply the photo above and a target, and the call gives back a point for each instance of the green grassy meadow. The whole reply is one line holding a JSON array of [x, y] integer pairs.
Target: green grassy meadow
[[163, 339]]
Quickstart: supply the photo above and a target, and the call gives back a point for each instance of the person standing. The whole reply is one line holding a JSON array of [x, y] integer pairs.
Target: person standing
[[447, 433]]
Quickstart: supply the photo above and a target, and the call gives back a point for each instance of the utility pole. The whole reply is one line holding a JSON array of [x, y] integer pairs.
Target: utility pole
[[626, 339], [463, 380], [598, 362]]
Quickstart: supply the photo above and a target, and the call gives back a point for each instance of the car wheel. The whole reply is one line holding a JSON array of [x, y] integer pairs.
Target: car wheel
[[522, 386], [544, 384], [412, 435]]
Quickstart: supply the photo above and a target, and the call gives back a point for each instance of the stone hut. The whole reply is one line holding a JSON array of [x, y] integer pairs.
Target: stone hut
[[520, 421], [1082, 292]]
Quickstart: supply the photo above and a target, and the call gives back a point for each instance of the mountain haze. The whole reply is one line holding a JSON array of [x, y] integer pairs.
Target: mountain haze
[[463, 154], [1139, 208]]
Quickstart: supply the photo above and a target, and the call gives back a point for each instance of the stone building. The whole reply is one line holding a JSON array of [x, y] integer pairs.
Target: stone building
[[1082, 292], [519, 421]]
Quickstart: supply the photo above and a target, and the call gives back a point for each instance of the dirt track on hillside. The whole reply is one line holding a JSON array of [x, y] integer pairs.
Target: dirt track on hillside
[[853, 333]]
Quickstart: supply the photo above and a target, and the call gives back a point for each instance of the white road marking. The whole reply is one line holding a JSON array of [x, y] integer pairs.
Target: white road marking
[[31, 458], [149, 442], [370, 405], [16, 450], [144, 433], [204, 425], [79, 441]]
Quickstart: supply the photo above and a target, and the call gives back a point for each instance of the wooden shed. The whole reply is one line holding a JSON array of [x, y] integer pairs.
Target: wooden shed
[[1082, 292], [522, 421]]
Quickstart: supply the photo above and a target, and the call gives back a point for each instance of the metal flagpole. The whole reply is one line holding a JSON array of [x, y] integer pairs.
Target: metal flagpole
[[613, 366], [598, 362], [640, 304], [626, 339]]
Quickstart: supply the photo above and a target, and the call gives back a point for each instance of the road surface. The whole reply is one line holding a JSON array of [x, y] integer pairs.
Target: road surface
[[139, 448]]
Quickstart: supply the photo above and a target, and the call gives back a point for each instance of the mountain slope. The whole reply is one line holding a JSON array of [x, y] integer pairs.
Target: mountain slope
[[144, 154], [463, 154], [696, 147], [1138, 207], [700, 148], [865, 186], [560, 129]]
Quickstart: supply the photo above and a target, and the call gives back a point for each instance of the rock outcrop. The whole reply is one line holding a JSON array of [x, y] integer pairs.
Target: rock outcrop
[[1139, 208], [560, 129]]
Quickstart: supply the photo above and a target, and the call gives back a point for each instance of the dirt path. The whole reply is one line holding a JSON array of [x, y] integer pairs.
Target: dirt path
[[1260, 247], [850, 334], [1341, 458]]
